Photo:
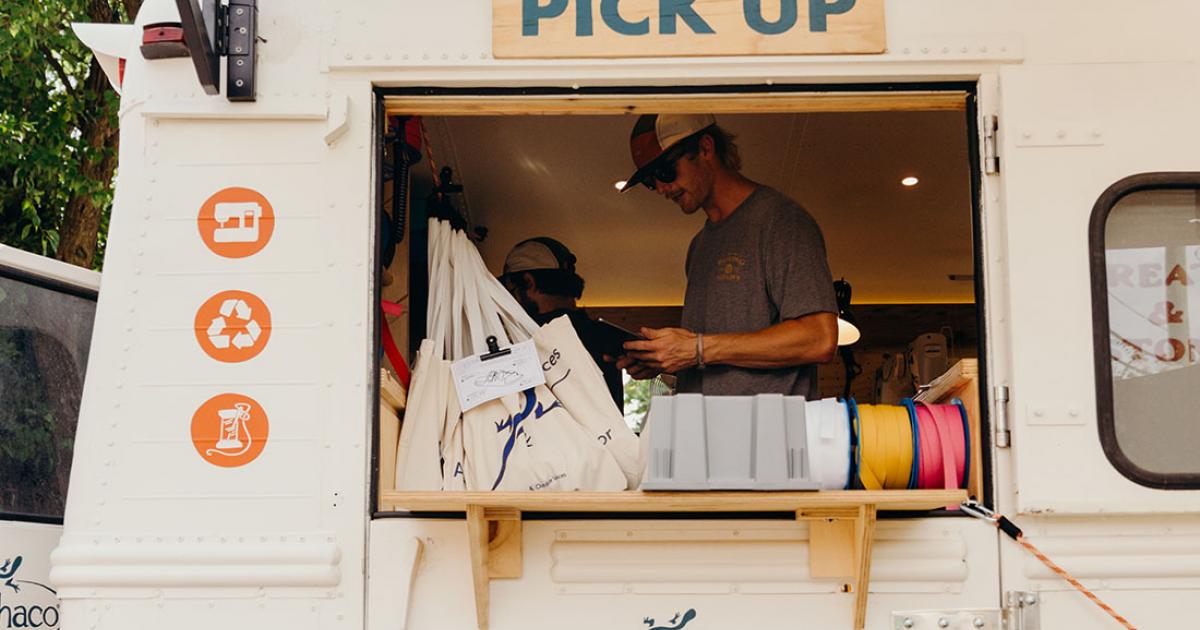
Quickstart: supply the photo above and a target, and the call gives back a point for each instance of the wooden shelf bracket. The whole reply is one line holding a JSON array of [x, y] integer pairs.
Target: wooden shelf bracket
[[494, 538], [839, 546]]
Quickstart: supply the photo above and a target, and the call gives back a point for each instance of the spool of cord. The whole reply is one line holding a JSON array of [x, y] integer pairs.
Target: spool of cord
[[885, 447], [942, 451], [827, 422]]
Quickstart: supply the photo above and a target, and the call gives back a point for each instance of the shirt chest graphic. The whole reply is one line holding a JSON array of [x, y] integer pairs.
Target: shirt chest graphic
[[731, 268]]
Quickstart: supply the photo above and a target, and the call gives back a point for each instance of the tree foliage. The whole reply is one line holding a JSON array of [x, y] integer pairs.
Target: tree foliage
[[637, 400], [58, 143], [58, 129]]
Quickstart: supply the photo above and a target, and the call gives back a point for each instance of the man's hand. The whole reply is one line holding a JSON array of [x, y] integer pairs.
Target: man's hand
[[637, 370], [665, 349]]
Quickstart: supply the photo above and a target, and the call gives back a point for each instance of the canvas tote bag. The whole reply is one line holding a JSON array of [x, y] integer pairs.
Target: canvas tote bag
[[526, 441], [572, 376], [418, 460], [421, 450], [577, 382]]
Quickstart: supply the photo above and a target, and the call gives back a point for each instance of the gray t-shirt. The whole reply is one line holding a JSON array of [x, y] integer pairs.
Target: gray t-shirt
[[762, 265]]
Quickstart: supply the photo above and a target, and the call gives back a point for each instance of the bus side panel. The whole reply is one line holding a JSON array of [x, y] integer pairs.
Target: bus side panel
[[1069, 133], [620, 574], [1147, 569], [169, 523]]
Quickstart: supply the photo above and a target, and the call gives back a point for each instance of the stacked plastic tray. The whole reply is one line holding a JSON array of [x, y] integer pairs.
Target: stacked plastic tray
[[728, 443]]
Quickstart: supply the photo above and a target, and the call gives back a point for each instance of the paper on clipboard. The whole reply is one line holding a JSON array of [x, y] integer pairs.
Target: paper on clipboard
[[477, 380]]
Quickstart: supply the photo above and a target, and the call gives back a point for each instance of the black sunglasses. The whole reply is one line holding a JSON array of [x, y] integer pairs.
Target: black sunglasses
[[665, 170]]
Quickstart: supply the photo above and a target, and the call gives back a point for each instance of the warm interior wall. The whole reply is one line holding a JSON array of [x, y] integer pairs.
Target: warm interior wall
[[527, 176]]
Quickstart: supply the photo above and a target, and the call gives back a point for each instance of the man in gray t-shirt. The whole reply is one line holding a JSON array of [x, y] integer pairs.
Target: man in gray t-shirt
[[759, 311]]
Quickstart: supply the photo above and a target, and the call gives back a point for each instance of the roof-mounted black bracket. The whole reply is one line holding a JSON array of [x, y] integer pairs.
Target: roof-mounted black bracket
[[223, 28]]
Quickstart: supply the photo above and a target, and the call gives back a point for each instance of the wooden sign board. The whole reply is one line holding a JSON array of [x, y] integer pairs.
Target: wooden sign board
[[660, 28]]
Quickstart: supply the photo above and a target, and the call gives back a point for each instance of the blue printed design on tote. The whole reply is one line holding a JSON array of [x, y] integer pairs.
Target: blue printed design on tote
[[513, 425]]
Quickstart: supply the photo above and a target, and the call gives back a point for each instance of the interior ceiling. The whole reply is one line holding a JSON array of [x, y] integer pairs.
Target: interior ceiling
[[528, 176]]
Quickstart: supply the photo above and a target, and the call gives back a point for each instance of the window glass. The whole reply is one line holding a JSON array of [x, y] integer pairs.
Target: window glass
[[44, 338], [1152, 259]]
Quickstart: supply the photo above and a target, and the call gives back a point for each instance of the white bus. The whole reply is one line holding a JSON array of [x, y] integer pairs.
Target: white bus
[[46, 313], [1018, 179]]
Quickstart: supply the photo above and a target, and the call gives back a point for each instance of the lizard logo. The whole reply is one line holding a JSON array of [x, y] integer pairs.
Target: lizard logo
[[676, 623], [25, 614]]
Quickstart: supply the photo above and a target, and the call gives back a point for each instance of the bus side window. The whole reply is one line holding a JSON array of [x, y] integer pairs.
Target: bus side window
[[1145, 245], [45, 332]]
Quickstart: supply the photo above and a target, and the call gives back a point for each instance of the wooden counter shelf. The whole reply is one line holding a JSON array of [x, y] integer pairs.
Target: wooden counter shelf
[[841, 524]]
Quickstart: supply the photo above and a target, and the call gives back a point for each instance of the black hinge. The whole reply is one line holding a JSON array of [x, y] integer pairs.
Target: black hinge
[[217, 30], [241, 18], [991, 145]]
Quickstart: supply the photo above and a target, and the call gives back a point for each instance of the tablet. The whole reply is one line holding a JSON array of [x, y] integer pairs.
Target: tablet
[[623, 333]]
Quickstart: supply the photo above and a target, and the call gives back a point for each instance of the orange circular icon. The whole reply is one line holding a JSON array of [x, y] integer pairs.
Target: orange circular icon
[[236, 222], [233, 326], [230, 430]]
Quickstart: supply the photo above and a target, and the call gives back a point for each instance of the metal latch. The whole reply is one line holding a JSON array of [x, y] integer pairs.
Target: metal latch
[[1003, 435], [1021, 611]]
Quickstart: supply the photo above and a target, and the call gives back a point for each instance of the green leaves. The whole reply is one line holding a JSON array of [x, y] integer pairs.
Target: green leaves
[[52, 152], [637, 402]]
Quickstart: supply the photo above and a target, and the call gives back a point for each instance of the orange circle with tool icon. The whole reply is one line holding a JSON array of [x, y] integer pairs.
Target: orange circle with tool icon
[[230, 430], [236, 222], [233, 326]]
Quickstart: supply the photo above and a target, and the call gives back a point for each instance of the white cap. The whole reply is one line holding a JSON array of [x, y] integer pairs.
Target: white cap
[[539, 253]]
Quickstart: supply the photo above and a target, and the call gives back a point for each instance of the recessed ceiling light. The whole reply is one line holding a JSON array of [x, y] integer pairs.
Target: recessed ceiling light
[[910, 181], [619, 185]]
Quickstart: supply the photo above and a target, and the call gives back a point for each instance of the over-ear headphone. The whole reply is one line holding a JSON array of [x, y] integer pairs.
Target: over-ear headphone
[[566, 260]]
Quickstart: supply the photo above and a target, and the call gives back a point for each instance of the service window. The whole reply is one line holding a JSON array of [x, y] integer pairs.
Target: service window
[[1146, 259], [889, 187], [45, 332]]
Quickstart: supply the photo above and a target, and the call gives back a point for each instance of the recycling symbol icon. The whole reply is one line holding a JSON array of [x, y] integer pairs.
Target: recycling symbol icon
[[233, 326], [240, 312]]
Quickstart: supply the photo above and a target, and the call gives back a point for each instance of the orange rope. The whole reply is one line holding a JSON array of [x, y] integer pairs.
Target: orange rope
[[1072, 581], [1010, 529]]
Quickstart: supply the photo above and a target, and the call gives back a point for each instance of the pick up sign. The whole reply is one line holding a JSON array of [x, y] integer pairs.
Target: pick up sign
[[656, 28]]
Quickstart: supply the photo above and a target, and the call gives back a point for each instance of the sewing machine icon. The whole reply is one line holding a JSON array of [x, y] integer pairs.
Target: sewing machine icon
[[238, 222]]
